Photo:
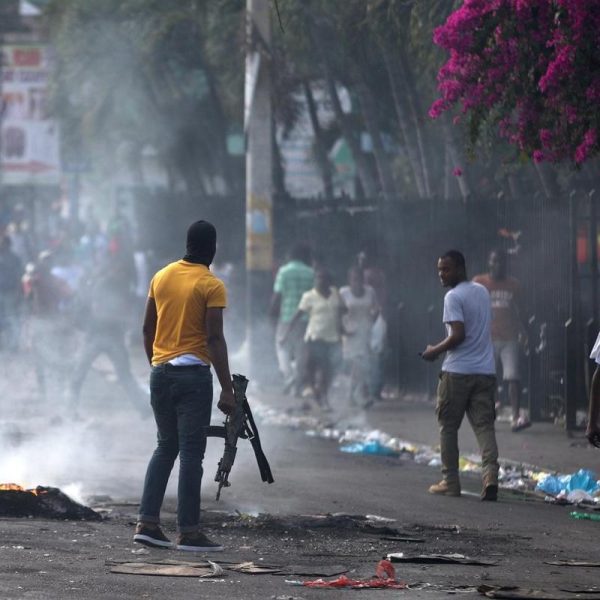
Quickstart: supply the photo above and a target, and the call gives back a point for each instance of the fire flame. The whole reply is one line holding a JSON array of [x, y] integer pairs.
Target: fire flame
[[13, 487]]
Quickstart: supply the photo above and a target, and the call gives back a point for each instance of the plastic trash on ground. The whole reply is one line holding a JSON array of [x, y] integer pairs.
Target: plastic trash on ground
[[355, 438], [385, 577], [516, 477], [583, 479], [371, 447], [578, 496], [427, 455], [468, 464], [584, 516]]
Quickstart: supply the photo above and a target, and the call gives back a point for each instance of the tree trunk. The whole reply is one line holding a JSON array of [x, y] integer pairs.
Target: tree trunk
[[278, 169], [187, 159], [384, 170], [457, 161], [403, 120], [447, 172], [413, 103], [220, 124], [320, 149]]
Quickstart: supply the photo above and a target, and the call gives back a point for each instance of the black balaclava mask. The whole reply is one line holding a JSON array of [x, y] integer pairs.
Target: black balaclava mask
[[201, 243]]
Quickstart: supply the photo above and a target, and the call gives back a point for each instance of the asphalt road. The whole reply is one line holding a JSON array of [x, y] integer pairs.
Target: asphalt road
[[107, 453]]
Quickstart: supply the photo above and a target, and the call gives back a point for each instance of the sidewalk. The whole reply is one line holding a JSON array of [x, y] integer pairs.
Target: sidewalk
[[544, 445]]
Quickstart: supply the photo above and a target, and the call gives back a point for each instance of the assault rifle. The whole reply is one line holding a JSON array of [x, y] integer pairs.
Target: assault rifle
[[239, 424]]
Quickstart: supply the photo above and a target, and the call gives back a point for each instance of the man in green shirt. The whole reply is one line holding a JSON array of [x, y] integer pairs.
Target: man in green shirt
[[292, 280]]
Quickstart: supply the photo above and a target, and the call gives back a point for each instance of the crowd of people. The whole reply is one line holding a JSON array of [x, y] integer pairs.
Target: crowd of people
[[77, 298], [85, 291], [321, 329]]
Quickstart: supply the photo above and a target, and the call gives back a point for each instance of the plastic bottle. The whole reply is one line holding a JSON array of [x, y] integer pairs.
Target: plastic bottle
[[584, 516]]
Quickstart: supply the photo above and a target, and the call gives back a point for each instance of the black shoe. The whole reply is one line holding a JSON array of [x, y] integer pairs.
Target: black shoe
[[197, 542], [151, 536], [489, 493]]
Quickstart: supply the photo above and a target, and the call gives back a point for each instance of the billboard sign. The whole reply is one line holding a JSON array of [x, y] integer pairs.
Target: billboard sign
[[30, 139]]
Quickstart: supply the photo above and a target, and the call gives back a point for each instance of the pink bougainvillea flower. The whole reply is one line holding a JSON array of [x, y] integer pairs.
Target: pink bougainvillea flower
[[583, 150], [546, 137], [529, 67]]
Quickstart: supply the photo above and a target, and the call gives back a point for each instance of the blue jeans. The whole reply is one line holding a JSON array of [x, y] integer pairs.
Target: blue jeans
[[181, 399]]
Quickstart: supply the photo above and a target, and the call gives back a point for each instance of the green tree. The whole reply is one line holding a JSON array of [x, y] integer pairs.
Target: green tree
[[135, 74]]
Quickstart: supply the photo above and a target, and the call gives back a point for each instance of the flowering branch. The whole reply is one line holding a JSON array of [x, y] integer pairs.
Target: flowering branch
[[529, 67]]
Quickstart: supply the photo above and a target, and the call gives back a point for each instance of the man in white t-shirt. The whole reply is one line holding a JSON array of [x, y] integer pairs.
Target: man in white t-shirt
[[593, 428], [468, 378]]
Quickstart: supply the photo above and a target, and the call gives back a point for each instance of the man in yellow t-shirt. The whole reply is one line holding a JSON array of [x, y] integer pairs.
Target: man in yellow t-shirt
[[183, 336]]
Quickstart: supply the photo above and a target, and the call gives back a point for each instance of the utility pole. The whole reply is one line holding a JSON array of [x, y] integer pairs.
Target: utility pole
[[259, 174]]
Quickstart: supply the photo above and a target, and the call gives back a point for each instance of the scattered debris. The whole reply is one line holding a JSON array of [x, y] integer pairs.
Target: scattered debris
[[314, 571], [252, 568], [385, 577], [449, 528], [46, 502], [370, 447], [513, 475], [584, 516], [518, 593], [169, 569], [403, 539], [379, 519], [454, 559], [441, 587], [182, 568], [581, 589], [583, 479], [573, 563], [328, 554]]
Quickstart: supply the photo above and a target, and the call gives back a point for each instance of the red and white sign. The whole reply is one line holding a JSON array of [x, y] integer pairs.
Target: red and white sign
[[30, 139]]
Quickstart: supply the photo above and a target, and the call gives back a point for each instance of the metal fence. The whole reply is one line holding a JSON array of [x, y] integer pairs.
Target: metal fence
[[545, 244]]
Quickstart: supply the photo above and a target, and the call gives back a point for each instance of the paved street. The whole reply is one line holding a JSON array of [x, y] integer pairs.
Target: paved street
[[108, 452], [359, 198]]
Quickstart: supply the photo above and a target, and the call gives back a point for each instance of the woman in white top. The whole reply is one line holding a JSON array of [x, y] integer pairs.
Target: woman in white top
[[360, 309], [322, 305]]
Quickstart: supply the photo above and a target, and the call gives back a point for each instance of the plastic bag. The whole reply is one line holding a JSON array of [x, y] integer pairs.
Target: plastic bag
[[582, 480], [378, 333], [385, 577], [370, 447]]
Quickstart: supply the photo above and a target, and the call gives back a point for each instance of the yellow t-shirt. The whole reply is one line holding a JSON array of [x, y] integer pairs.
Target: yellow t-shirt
[[182, 292]]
